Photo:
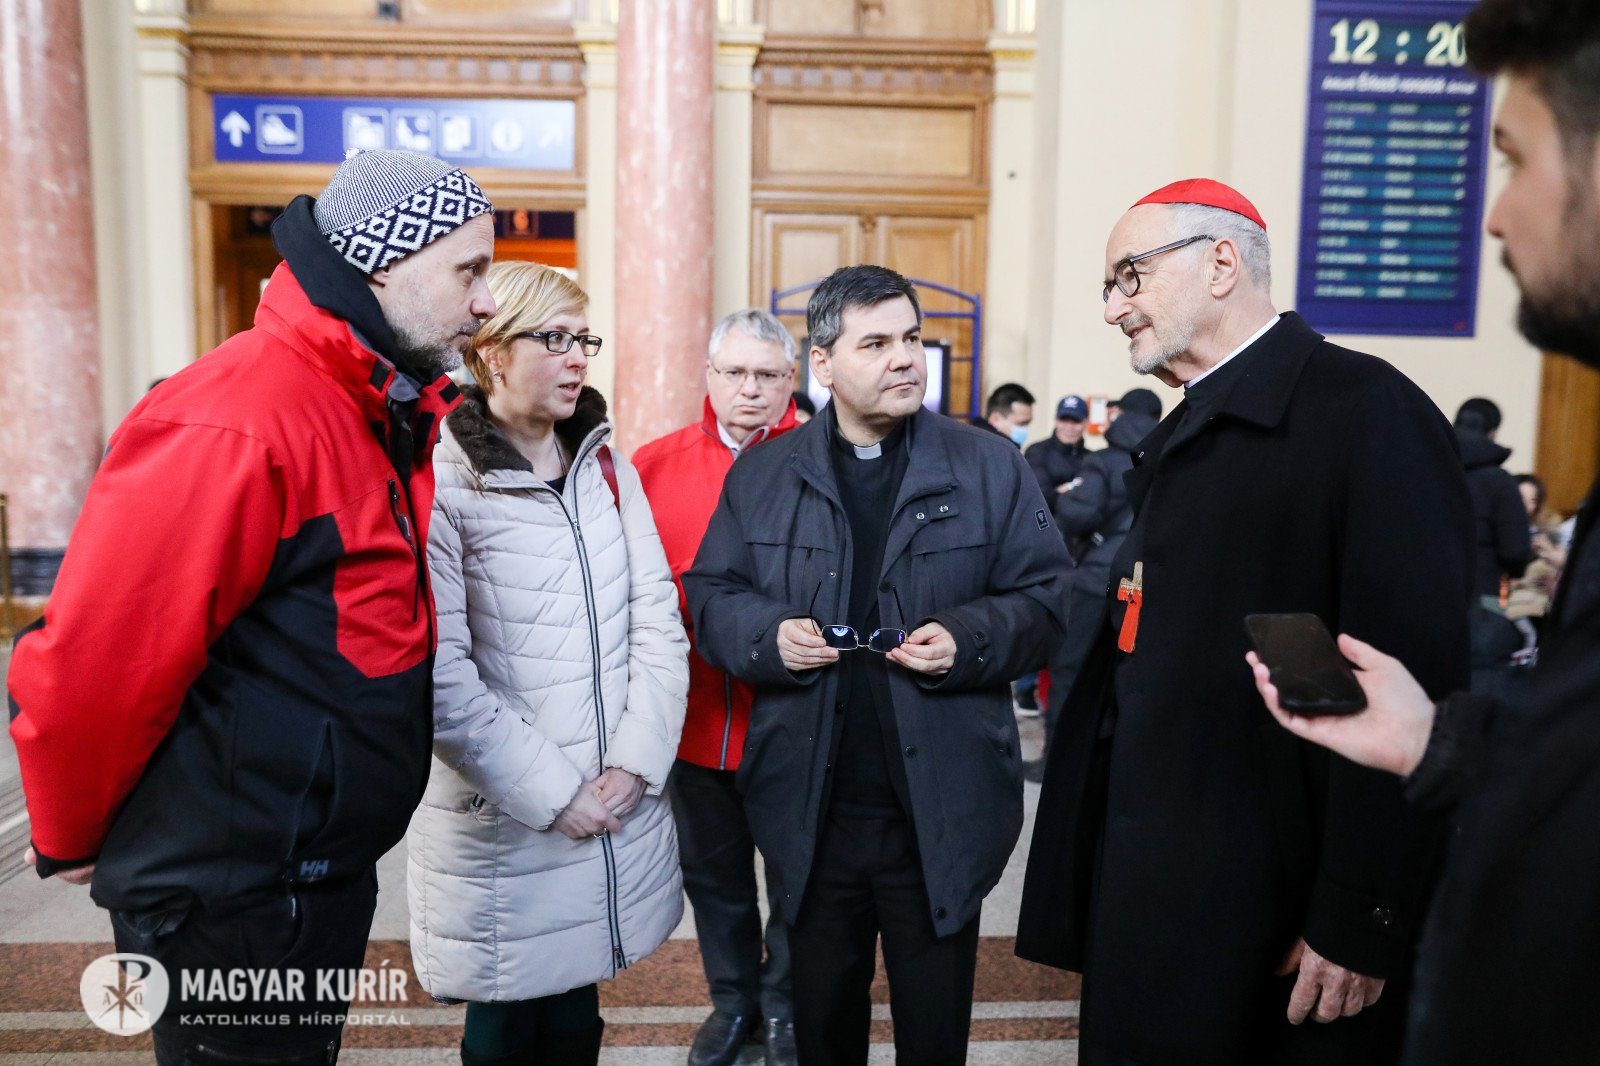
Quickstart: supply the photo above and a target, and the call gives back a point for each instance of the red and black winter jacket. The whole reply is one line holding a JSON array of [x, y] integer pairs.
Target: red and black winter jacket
[[682, 474], [231, 685]]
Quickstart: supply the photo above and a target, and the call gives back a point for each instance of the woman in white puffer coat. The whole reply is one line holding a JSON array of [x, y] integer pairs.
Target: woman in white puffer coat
[[543, 858]]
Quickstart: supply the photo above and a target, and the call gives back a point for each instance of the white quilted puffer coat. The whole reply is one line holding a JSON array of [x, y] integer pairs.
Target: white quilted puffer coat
[[561, 653]]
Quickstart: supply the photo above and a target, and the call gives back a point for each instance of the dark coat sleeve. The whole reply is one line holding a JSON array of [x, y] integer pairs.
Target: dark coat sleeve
[[1404, 586], [1513, 539], [1086, 508], [736, 627], [1457, 749], [1013, 629]]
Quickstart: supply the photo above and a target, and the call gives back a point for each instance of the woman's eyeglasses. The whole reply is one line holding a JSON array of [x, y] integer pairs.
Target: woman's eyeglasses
[[560, 342]]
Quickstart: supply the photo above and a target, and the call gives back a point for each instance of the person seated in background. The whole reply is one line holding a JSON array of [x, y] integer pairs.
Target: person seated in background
[[1528, 600]]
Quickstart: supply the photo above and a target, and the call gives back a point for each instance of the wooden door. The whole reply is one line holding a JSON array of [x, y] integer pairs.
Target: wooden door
[[1569, 431], [943, 251], [794, 248]]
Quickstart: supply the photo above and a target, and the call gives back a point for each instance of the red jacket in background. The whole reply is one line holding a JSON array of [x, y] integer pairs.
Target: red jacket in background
[[682, 474]]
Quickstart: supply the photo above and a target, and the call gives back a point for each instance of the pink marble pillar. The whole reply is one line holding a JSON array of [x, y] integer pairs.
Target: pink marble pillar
[[665, 55], [50, 437]]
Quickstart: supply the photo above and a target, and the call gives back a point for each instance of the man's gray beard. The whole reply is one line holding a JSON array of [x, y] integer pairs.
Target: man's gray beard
[[1160, 358], [427, 361]]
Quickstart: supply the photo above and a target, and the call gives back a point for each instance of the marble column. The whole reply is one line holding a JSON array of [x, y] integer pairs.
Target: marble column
[[665, 54], [50, 436]]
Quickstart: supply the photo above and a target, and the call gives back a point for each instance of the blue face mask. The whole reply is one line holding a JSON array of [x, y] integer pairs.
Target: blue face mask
[[1019, 436]]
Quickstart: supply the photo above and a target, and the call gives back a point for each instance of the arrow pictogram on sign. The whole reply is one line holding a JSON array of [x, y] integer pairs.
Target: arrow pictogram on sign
[[235, 126]]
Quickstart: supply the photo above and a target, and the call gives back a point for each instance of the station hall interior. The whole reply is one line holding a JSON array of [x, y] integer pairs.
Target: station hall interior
[[683, 159]]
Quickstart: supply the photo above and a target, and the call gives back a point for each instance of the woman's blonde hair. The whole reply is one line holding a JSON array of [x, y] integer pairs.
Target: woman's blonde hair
[[526, 296]]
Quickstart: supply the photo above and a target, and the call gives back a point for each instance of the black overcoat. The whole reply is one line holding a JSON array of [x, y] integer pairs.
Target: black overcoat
[[1323, 481], [1507, 968], [970, 545]]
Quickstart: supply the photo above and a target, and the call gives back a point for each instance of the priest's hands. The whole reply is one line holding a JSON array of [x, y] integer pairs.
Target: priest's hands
[[801, 647], [930, 649], [1328, 988]]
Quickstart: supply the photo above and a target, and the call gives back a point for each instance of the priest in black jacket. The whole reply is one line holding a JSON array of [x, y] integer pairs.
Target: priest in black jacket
[[1222, 885]]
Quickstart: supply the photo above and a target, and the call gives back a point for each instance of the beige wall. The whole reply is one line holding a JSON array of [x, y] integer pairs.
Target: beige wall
[[1141, 95]]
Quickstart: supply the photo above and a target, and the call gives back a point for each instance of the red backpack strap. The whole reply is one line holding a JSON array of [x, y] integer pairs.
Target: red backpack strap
[[608, 469]]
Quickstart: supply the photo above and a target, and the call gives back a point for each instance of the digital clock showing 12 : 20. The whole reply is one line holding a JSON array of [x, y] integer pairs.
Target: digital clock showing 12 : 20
[[1366, 42]]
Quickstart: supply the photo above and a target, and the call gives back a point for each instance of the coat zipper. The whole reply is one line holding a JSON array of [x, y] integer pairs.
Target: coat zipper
[[618, 959], [727, 721], [403, 519]]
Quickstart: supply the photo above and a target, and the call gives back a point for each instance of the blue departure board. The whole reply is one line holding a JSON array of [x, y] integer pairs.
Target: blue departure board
[[1392, 194]]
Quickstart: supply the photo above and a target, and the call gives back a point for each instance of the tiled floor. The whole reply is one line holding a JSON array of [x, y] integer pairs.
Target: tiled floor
[[49, 931]]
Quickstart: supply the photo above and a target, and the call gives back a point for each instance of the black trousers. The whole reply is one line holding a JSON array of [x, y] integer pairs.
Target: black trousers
[[866, 881], [521, 1029], [718, 855], [313, 931]]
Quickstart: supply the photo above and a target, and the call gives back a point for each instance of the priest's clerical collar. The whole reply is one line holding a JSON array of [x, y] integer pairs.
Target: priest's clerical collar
[[871, 451]]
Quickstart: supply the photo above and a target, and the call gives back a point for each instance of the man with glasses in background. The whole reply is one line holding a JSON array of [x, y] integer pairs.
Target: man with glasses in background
[[1218, 882], [879, 576], [749, 378]]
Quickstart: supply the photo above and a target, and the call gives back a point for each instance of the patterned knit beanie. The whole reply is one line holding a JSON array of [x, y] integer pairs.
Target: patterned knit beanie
[[383, 205]]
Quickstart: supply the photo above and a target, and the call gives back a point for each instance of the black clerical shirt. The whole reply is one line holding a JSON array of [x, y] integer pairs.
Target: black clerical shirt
[[869, 779]]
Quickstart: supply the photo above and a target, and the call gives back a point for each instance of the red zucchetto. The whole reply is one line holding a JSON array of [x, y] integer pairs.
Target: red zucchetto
[[1208, 193]]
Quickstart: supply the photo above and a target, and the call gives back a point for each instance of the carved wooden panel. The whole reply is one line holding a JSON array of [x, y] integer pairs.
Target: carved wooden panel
[[480, 12], [363, 60], [873, 71], [885, 18], [887, 142]]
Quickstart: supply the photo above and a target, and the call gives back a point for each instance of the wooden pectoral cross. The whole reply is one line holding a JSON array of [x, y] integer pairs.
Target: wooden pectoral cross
[[1131, 593]]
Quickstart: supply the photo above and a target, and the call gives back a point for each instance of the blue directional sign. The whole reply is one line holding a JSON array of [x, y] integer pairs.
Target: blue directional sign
[[1392, 194], [520, 134]]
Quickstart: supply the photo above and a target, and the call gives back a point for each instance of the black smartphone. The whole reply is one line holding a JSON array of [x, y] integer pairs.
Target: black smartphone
[[1312, 677]]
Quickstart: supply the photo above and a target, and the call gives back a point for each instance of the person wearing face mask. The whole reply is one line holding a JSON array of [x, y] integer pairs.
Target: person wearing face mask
[[543, 858], [1009, 412], [749, 378], [1231, 894]]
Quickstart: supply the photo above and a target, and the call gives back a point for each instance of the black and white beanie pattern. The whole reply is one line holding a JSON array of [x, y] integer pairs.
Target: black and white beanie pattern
[[383, 205]]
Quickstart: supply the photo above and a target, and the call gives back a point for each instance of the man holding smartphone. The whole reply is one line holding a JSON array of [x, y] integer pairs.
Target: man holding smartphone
[[1506, 970], [1217, 882]]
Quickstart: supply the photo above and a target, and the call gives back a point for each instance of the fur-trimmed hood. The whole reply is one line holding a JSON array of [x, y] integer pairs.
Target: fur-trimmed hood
[[488, 449]]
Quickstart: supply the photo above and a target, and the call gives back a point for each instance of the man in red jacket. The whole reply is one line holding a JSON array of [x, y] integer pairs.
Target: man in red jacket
[[224, 717], [749, 376]]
